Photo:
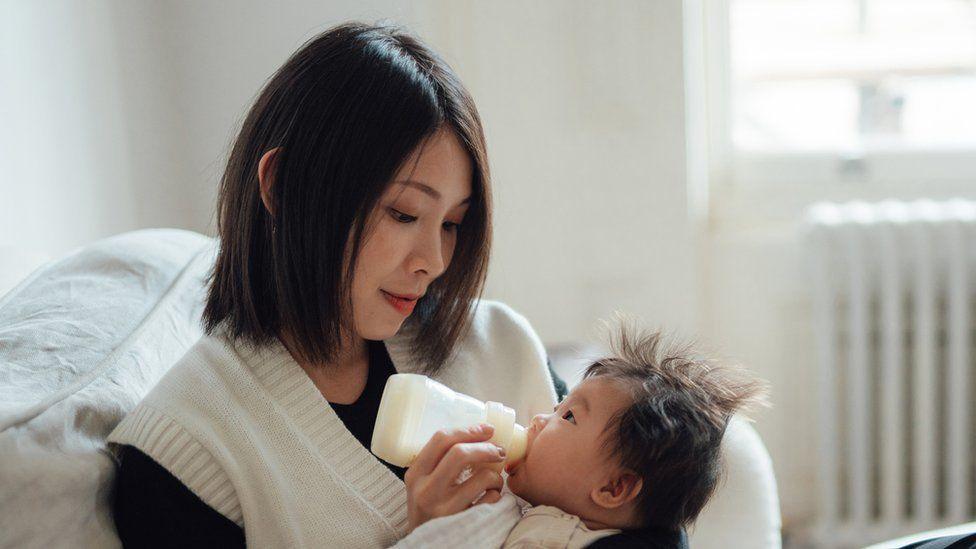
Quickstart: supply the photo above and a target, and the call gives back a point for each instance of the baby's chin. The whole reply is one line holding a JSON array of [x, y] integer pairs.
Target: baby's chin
[[519, 482], [516, 483]]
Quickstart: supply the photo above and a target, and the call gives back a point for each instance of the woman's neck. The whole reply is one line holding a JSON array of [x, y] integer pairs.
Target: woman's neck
[[341, 381], [353, 352]]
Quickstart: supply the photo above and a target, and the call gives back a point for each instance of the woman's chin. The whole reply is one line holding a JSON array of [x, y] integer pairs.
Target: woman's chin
[[382, 332]]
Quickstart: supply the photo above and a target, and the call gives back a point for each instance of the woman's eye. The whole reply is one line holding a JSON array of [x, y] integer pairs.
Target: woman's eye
[[569, 413], [402, 217]]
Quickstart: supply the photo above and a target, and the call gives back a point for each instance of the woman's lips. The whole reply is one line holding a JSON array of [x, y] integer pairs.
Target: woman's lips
[[403, 306]]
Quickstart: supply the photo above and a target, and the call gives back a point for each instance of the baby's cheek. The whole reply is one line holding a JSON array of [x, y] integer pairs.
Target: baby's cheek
[[513, 484]]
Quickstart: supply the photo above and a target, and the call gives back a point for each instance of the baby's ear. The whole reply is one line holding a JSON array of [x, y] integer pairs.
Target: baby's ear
[[621, 487]]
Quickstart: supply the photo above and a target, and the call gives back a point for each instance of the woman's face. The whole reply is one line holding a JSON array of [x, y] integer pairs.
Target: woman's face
[[413, 231]]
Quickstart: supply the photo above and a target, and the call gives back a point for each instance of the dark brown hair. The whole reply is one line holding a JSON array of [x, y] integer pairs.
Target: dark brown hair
[[672, 432], [347, 109]]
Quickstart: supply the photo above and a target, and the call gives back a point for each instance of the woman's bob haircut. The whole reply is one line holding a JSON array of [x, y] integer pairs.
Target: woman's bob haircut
[[347, 110]]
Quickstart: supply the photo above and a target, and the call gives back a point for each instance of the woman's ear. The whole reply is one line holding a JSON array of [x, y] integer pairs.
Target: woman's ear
[[266, 171], [620, 488]]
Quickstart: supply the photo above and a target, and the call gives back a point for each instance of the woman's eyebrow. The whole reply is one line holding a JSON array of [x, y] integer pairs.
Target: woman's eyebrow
[[428, 190]]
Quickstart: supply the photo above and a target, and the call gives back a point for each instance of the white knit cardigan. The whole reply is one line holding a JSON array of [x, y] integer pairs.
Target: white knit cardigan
[[247, 431]]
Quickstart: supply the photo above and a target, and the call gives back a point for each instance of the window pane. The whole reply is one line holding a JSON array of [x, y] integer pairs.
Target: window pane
[[852, 74]]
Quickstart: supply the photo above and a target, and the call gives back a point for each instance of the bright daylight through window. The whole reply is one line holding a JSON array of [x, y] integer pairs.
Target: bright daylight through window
[[841, 75]]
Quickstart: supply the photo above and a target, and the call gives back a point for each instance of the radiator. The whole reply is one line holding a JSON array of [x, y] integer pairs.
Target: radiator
[[893, 295]]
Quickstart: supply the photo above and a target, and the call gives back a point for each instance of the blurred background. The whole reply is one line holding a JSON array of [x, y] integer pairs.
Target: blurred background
[[658, 157]]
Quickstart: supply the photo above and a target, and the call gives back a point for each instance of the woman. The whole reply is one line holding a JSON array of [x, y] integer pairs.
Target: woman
[[354, 222]]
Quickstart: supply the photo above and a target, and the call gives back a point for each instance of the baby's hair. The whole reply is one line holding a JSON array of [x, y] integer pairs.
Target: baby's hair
[[671, 434]]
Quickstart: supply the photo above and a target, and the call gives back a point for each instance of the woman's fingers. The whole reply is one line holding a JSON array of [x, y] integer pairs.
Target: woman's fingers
[[491, 496], [483, 480], [443, 441], [431, 480], [463, 455]]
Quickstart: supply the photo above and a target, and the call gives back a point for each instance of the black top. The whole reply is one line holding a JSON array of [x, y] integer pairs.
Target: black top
[[152, 508], [360, 416], [647, 538]]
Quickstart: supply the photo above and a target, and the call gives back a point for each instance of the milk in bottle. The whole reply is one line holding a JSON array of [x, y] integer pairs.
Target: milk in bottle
[[413, 407]]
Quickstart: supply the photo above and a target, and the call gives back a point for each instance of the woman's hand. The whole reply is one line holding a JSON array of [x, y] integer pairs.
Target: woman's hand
[[432, 488]]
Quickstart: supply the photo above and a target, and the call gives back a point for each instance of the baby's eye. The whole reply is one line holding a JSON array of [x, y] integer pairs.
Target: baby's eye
[[569, 413]]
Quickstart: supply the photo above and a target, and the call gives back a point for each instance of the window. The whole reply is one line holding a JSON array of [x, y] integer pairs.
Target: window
[[841, 90], [847, 74]]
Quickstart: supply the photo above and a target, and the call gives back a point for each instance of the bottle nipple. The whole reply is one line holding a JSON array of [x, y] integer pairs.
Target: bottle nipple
[[518, 445]]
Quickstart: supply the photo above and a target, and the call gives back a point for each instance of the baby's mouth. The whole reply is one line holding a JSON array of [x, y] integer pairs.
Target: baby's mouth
[[512, 466]]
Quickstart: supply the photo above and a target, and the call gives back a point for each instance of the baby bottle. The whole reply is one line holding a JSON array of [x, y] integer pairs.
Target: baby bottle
[[414, 407]]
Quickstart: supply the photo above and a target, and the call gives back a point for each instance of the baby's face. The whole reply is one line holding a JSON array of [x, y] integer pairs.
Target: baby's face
[[563, 462]]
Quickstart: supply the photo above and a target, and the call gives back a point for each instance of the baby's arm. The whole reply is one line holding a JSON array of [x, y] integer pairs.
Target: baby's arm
[[485, 525]]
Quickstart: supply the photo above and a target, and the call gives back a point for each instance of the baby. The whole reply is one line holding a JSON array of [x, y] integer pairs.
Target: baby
[[633, 449]]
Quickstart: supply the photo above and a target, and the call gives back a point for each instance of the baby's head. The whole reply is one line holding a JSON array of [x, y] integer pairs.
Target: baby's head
[[637, 442]]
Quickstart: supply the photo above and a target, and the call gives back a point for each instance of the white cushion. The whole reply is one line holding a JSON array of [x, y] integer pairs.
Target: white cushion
[[744, 512], [82, 340]]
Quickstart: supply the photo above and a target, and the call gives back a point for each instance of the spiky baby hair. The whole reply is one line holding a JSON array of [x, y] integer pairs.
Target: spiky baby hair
[[671, 433]]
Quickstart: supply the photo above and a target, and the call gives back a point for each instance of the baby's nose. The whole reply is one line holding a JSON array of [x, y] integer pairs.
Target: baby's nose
[[539, 421]]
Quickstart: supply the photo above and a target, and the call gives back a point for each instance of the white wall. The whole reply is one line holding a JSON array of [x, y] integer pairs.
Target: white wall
[[584, 113], [64, 143]]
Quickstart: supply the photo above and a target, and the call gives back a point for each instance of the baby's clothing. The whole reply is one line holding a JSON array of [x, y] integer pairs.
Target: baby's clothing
[[509, 523], [547, 526]]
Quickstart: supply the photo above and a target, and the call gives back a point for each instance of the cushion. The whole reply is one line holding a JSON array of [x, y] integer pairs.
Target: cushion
[[82, 340], [744, 512]]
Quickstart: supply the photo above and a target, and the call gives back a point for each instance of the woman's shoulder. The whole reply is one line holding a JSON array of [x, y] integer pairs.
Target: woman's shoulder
[[501, 336], [214, 350], [503, 359], [496, 333], [494, 320]]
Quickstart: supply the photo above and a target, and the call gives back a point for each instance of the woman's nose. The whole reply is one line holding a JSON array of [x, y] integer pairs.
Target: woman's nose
[[429, 256]]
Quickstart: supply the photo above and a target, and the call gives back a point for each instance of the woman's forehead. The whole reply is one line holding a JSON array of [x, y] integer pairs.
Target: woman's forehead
[[441, 164]]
